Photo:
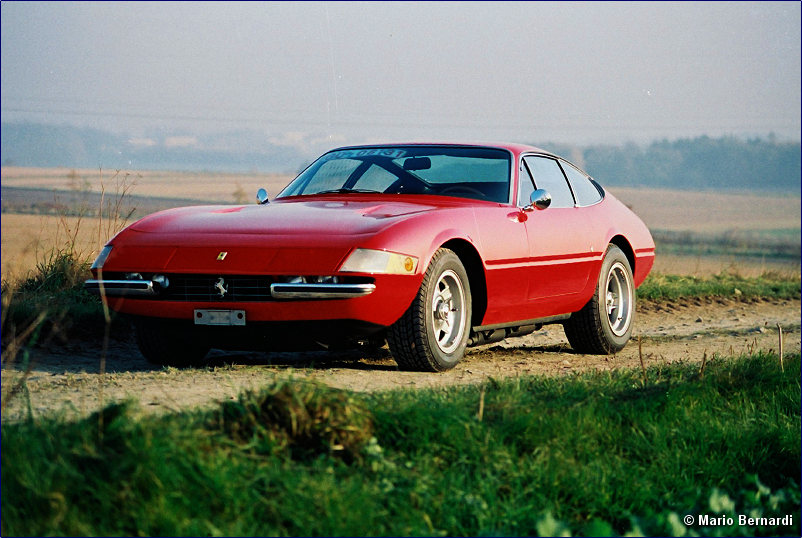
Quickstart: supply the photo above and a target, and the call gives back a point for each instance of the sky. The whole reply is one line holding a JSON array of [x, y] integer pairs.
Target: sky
[[341, 72]]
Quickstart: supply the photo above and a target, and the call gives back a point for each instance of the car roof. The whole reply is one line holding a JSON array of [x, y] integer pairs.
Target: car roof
[[515, 148]]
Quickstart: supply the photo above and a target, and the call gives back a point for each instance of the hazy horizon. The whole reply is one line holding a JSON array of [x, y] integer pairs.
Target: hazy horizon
[[321, 74]]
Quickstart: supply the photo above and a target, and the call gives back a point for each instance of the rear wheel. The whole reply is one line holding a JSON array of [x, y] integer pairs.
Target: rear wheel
[[604, 325], [433, 333], [169, 344]]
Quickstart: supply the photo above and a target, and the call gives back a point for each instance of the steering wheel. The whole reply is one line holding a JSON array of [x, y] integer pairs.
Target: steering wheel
[[464, 189]]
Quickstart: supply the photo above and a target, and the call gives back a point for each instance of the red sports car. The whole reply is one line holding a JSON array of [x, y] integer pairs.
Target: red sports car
[[433, 247]]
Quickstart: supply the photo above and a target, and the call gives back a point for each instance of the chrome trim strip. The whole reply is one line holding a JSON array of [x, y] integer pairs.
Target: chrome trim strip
[[320, 291], [119, 288]]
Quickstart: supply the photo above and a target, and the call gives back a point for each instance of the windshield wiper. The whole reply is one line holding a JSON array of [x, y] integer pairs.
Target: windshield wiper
[[346, 190]]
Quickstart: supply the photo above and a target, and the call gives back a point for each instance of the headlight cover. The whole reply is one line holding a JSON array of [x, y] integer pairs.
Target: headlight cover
[[363, 260], [101, 258]]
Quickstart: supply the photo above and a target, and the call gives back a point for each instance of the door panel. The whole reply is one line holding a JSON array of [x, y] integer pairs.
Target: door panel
[[505, 248], [561, 253]]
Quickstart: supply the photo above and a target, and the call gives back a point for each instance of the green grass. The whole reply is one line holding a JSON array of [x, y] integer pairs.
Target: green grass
[[659, 286], [52, 302], [591, 454]]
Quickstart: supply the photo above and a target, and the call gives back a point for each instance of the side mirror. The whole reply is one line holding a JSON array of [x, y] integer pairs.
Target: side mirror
[[539, 199], [261, 197]]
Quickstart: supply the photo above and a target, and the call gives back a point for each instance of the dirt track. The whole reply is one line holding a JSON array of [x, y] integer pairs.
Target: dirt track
[[69, 379]]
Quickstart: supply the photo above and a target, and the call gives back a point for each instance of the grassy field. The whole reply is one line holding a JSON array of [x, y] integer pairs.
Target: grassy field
[[661, 209], [706, 265], [594, 454], [698, 233], [220, 187], [711, 212]]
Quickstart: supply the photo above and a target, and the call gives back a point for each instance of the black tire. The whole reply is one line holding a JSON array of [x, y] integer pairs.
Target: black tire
[[169, 344], [604, 325], [432, 334]]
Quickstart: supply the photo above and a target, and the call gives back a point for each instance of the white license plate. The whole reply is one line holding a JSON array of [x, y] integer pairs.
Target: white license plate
[[220, 317]]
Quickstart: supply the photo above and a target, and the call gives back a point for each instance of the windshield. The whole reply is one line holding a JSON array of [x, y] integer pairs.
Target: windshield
[[465, 172]]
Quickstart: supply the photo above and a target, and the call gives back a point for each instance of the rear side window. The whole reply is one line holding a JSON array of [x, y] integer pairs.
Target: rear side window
[[548, 175], [585, 192]]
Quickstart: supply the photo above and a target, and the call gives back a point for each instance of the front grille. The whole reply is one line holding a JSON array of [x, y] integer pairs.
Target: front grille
[[206, 288]]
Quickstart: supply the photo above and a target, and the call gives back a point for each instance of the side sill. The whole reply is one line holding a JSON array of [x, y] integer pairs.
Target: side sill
[[537, 321]]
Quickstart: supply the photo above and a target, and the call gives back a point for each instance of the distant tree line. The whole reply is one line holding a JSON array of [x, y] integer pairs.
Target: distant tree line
[[702, 163]]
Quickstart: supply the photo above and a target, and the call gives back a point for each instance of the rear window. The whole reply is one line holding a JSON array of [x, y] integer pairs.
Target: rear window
[[585, 191]]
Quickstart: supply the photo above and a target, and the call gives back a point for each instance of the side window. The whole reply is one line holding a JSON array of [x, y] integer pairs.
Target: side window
[[549, 176], [586, 192], [525, 185]]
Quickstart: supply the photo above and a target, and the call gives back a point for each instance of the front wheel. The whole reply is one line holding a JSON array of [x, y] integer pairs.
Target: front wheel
[[433, 333], [604, 325]]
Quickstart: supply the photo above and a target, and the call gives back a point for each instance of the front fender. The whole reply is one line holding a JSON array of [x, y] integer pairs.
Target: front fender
[[415, 236]]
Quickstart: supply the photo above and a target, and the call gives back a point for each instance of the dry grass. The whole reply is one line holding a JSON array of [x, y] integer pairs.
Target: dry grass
[[25, 238]]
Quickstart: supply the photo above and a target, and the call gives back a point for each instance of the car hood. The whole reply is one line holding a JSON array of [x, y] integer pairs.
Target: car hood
[[292, 217]]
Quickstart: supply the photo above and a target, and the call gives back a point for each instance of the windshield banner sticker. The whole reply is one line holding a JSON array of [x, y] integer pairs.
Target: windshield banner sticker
[[393, 153]]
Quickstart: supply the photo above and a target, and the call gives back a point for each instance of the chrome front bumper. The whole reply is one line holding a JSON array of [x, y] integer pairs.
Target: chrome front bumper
[[145, 288], [320, 291], [120, 288]]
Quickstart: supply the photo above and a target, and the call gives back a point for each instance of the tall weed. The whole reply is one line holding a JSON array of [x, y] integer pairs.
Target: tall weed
[[50, 304]]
